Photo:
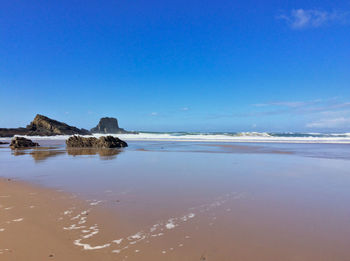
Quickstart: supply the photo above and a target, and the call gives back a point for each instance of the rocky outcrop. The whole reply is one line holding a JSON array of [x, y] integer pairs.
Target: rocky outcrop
[[108, 125], [44, 126], [92, 142], [4, 132], [20, 142], [111, 142]]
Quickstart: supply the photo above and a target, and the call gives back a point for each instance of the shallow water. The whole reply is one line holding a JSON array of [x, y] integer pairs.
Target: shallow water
[[215, 201]]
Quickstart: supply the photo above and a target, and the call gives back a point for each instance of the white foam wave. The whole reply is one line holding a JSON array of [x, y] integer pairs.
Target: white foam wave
[[241, 137], [253, 137], [156, 230], [88, 246]]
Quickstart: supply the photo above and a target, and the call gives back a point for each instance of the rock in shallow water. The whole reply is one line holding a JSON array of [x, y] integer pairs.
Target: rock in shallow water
[[20, 142], [92, 142]]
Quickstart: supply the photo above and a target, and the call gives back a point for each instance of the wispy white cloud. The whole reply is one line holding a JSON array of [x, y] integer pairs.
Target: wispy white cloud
[[310, 106], [329, 113], [292, 104], [313, 18], [185, 109], [330, 123], [154, 113]]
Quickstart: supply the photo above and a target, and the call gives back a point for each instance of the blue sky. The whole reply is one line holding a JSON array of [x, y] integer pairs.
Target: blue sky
[[178, 65]]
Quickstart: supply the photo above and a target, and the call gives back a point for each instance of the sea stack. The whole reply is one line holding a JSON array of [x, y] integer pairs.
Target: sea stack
[[108, 125]]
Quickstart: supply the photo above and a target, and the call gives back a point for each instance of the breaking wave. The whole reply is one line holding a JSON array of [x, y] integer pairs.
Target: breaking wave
[[289, 137]]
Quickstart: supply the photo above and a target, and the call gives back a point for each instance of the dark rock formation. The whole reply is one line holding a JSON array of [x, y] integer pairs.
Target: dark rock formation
[[4, 132], [80, 142], [44, 126], [108, 125], [92, 142], [20, 142], [111, 142]]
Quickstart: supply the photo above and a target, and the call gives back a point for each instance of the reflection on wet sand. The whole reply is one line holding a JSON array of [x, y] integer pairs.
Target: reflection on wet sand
[[218, 148], [105, 154], [39, 154], [234, 148], [43, 153]]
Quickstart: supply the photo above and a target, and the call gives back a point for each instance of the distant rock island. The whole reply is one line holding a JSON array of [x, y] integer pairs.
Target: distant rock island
[[108, 125], [43, 126]]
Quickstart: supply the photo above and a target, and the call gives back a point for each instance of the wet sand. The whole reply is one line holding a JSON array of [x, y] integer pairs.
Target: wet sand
[[42, 224], [32, 223], [181, 205]]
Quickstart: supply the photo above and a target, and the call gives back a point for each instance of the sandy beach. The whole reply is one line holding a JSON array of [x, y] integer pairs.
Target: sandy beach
[[33, 221], [174, 130], [217, 202]]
